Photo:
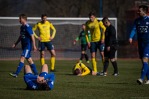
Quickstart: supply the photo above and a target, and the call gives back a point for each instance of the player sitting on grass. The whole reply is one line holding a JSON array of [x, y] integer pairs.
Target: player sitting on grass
[[81, 70], [43, 81]]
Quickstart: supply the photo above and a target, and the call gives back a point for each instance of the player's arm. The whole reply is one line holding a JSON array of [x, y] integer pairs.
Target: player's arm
[[34, 29], [50, 80], [133, 32], [103, 31], [30, 31], [77, 39], [18, 40], [54, 31], [86, 35], [29, 79], [85, 69]]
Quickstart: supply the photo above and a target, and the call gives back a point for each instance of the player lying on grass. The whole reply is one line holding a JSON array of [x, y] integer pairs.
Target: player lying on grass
[[81, 70], [43, 81]]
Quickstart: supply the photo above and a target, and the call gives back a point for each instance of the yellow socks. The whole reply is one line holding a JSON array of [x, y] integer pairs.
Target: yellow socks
[[42, 61], [94, 64], [52, 63]]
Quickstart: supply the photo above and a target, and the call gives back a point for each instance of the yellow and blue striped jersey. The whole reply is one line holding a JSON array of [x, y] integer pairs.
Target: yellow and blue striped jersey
[[44, 31], [94, 28], [85, 70]]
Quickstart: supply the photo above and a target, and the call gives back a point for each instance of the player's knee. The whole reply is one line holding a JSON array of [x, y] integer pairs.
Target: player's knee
[[22, 59], [145, 59], [42, 55], [113, 59]]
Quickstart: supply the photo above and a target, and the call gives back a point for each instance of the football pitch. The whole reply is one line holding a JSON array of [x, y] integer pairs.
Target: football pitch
[[68, 86]]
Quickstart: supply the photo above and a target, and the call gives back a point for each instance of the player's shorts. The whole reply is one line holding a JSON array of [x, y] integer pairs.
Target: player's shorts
[[143, 49], [26, 53], [110, 54], [48, 45], [95, 46], [83, 47]]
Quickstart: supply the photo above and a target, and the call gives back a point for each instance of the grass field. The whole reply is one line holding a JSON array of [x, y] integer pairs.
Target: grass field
[[68, 86]]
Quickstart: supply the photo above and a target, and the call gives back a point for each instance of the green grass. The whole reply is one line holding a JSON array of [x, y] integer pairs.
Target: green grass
[[68, 86]]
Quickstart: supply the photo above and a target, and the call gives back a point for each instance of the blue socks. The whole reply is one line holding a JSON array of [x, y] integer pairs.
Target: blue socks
[[19, 68], [33, 67], [145, 70]]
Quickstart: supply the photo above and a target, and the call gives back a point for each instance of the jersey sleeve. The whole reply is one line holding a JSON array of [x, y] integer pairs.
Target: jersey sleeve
[[103, 30], [86, 70], [50, 80], [29, 30], [133, 31], [53, 29], [34, 29], [29, 80], [86, 32]]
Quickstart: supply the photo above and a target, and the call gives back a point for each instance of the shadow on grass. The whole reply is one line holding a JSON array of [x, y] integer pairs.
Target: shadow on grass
[[117, 83]]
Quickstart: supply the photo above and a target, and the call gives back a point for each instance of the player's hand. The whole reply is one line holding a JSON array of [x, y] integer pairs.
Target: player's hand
[[130, 40], [40, 79], [89, 44], [108, 48], [14, 45], [74, 42], [79, 75], [34, 48], [51, 38], [39, 38], [102, 41]]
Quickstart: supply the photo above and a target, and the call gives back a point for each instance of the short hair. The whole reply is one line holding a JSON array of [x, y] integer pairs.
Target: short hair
[[43, 15], [76, 71], [43, 86], [92, 13], [105, 19], [23, 16], [144, 7]]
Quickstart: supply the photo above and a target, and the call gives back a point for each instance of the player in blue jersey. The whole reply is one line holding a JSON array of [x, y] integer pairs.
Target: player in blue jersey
[[43, 81], [141, 27], [27, 40]]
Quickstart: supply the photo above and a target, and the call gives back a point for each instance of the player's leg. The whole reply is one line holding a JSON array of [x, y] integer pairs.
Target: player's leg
[[113, 60], [82, 53], [27, 69], [144, 53], [42, 53], [85, 54], [21, 63], [101, 50], [50, 47], [44, 68], [32, 65], [93, 50], [52, 60]]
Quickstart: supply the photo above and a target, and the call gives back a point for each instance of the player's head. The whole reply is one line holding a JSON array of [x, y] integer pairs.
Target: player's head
[[92, 16], [22, 18], [83, 26], [43, 86], [77, 71], [106, 21], [43, 18], [143, 10]]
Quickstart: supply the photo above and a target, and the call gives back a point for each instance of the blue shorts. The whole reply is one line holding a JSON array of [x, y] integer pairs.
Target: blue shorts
[[97, 45], [143, 49], [48, 45], [26, 53]]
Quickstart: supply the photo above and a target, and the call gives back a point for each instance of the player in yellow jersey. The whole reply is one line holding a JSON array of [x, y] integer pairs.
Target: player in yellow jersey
[[45, 39], [81, 70], [97, 38]]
